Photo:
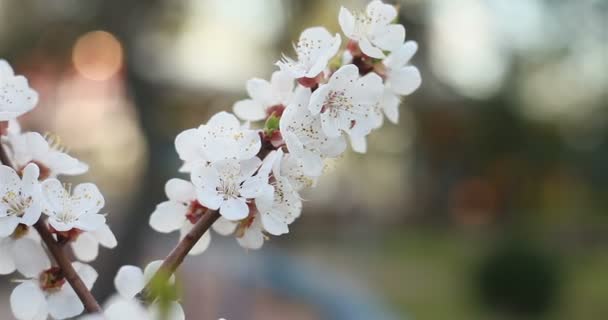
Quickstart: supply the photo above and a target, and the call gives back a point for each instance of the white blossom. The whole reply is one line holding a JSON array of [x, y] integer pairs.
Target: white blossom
[[20, 198], [373, 30], [228, 185], [249, 232], [401, 79], [46, 292], [47, 153], [86, 245], [280, 208], [314, 50], [293, 169], [180, 212], [266, 97], [16, 97], [221, 138], [73, 210], [129, 281], [346, 103], [305, 137], [16, 250]]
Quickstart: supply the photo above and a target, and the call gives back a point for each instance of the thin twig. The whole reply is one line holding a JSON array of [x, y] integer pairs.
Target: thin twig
[[181, 250], [177, 255], [61, 258]]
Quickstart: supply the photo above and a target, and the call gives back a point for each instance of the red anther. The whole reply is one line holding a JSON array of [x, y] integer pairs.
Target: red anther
[[352, 123], [195, 211], [52, 279]]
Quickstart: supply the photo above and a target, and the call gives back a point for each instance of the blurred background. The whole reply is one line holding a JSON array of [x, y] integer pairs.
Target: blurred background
[[488, 201]]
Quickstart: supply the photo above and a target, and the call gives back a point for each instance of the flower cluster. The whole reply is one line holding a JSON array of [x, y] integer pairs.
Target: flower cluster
[[315, 103], [31, 197], [247, 168]]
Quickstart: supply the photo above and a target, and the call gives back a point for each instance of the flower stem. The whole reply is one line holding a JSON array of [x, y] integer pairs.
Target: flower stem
[[177, 255], [61, 257]]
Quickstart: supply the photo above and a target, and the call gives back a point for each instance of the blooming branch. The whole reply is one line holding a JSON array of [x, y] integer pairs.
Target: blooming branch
[[245, 171], [58, 251]]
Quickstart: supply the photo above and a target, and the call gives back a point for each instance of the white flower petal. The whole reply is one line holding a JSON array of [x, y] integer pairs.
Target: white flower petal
[[370, 50], [317, 98], [173, 312], [344, 76], [151, 270], [253, 186], [7, 264], [249, 167], [30, 258], [405, 81], [225, 120], [253, 238], [90, 222], [249, 110], [224, 227], [260, 91], [54, 194], [358, 143], [8, 225], [273, 225], [64, 304], [347, 22], [400, 57], [87, 199], [380, 12], [188, 145], [389, 37], [234, 209], [86, 247], [27, 300], [105, 236], [129, 281], [282, 86], [180, 190], [390, 106], [168, 216]]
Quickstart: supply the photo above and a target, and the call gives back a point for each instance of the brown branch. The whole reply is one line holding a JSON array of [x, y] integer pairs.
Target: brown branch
[[61, 257], [177, 255]]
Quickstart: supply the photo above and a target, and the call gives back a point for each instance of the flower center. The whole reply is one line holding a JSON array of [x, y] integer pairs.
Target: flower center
[[195, 211], [66, 216], [52, 279], [16, 203], [335, 101], [228, 189]]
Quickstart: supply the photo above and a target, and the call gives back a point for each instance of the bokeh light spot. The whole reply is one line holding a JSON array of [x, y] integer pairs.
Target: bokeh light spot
[[97, 55]]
